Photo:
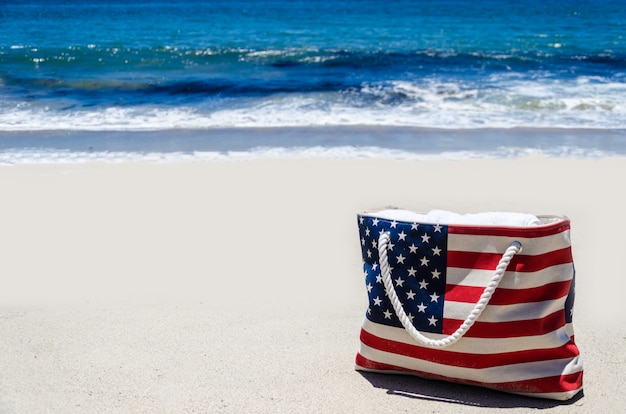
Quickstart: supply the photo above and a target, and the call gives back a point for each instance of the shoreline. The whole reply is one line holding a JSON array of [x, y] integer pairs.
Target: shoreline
[[320, 142]]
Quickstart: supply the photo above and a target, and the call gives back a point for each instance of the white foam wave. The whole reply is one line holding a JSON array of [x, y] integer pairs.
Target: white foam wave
[[585, 103], [573, 113]]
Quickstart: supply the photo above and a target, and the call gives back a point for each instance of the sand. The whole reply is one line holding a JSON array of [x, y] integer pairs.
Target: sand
[[235, 287]]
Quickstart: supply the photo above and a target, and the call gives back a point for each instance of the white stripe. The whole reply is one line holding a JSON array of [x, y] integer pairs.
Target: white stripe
[[503, 313], [553, 339], [511, 280], [504, 373], [497, 244]]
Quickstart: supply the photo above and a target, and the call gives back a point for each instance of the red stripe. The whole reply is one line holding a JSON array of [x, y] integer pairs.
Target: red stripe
[[509, 329], [530, 232], [554, 384], [504, 296], [557, 383], [467, 360], [519, 263]]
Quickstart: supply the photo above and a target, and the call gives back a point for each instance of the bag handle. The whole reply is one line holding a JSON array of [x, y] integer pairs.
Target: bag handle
[[383, 243]]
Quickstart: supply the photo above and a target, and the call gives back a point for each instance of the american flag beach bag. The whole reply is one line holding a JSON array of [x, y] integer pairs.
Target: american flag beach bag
[[479, 304]]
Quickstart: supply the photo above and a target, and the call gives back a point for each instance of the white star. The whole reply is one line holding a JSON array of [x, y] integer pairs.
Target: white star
[[375, 244], [390, 246], [399, 282], [423, 284], [410, 294], [424, 261], [360, 220], [369, 311], [369, 287], [425, 238], [374, 266], [436, 274], [413, 248], [421, 307], [365, 273], [432, 321], [377, 301], [375, 222], [414, 226], [387, 314], [400, 258], [394, 224], [412, 271], [436, 251], [363, 241], [379, 279], [438, 228], [402, 235], [369, 253], [434, 297], [411, 317], [367, 231]]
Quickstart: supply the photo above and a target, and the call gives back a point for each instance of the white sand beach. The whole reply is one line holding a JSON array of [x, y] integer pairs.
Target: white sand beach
[[236, 287]]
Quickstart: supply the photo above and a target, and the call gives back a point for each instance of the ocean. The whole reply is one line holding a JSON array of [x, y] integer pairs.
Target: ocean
[[111, 79]]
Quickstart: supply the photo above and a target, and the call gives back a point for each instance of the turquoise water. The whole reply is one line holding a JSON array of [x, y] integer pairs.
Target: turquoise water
[[205, 65]]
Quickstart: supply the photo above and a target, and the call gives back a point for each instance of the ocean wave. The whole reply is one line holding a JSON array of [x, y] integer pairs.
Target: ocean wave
[[93, 57], [111, 76], [461, 111], [233, 87], [584, 103]]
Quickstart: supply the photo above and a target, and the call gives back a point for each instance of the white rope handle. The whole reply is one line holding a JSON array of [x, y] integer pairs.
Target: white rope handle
[[383, 242]]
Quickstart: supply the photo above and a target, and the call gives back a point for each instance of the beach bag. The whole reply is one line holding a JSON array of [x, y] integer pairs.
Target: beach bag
[[483, 299]]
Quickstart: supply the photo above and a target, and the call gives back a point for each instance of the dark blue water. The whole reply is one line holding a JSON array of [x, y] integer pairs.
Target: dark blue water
[[96, 65]]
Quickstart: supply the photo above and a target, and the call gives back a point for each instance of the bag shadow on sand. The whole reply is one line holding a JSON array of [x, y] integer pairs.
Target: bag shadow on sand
[[410, 386]]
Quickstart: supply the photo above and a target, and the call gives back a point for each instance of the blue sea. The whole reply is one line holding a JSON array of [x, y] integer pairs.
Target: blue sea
[[84, 79]]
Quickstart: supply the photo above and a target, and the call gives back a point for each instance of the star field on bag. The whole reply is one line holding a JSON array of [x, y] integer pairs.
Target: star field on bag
[[417, 258]]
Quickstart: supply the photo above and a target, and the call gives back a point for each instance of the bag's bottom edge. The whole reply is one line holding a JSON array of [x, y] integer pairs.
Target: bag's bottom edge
[[557, 396]]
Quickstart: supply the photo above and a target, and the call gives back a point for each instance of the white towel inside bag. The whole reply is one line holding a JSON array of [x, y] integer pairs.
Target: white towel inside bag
[[448, 217]]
